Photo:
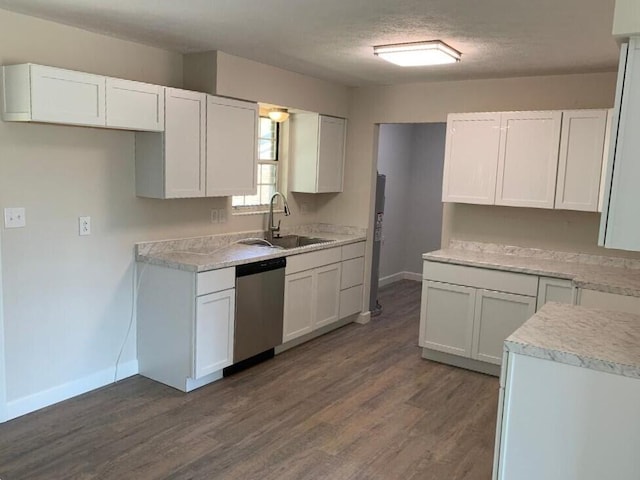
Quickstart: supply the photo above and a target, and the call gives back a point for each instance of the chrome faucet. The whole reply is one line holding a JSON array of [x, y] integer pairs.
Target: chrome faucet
[[272, 228]]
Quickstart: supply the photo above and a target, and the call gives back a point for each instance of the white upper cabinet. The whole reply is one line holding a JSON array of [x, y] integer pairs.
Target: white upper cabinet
[[549, 159], [172, 164], [528, 159], [471, 158], [232, 152], [36, 93], [317, 149], [135, 105], [619, 226], [580, 162]]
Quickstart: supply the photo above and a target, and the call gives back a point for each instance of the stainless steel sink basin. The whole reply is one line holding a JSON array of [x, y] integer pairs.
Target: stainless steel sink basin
[[295, 241]]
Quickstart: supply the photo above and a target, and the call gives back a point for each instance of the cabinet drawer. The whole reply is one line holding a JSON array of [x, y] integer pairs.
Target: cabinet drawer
[[508, 282], [352, 273], [350, 301], [306, 261], [353, 251], [215, 280]]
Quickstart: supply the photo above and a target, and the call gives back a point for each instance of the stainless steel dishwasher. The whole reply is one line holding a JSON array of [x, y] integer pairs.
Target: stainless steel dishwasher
[[259, 310]]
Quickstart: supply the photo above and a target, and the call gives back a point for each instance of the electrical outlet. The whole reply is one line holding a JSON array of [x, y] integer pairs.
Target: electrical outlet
[[305, 208], [84, 226], [15, 217], [222, 215], [214, 216]]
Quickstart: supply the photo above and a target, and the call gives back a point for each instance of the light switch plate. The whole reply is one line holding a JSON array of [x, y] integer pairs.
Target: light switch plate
[[214, 216], [15, 217], [222, 215]]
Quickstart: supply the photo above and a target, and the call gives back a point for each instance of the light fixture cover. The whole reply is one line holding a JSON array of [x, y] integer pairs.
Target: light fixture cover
[[278, 114], [416, 54]]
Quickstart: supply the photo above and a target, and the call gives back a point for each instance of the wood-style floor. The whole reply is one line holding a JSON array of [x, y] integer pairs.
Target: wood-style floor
[[358, 403]]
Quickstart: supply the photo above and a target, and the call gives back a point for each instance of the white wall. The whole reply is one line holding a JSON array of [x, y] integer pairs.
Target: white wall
[[394, 159], [424, 230], [67, 299], [412, 157]]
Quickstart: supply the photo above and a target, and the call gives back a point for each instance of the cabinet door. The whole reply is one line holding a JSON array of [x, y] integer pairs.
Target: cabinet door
[[554, 290], [135, 105], [528, 160], [299, 304], [580, 163], [471, 158], [331, 141], [185, 143], [497, 315], [446, 317], [213, 342], [65, 96], [619, 226], [232, 152], [327, 295]]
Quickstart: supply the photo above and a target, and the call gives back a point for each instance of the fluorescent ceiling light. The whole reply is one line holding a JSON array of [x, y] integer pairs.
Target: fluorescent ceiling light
[[417, 54]]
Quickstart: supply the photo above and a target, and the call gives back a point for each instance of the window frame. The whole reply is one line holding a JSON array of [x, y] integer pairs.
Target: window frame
[[262, 207]]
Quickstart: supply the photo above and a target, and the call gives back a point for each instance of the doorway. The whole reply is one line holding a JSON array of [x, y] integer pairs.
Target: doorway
[[411, 156]]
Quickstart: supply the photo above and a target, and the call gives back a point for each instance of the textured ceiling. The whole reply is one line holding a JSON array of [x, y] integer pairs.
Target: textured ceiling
[[333, 39]]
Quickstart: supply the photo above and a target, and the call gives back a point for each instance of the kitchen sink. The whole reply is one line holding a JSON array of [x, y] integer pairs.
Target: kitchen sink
[[295, 241]]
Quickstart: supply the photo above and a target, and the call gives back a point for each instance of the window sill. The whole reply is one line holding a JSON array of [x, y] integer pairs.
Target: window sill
[[241, 212]]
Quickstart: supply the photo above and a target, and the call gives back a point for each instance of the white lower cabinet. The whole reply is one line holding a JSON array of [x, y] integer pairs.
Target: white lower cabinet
[[327, 301], [470, 322], [214, 332], [563, 422], [447, 317], [322, 288], [311, 300], [497, 315], [352, 279], [555, 290], [185, 325], [298, 304], [467, 313]]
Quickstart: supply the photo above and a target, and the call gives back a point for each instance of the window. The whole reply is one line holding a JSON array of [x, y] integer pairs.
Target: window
[[268, 147]]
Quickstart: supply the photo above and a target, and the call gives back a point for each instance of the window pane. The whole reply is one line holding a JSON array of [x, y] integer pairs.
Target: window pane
[[267, 128], [266, 192], [237, 201], [267, 174], [266, 150], [252, 199]]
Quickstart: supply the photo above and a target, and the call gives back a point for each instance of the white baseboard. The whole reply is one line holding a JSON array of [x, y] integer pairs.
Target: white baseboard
[[36, 401], [416, 277], [363, 318], [396, 277]]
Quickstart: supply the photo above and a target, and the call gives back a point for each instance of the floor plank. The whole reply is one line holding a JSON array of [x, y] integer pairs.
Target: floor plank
[[357, 403]]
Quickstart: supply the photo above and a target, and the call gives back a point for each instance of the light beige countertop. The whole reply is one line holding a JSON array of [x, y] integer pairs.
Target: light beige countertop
[[605, 274], [596, 339], [200, 254]]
